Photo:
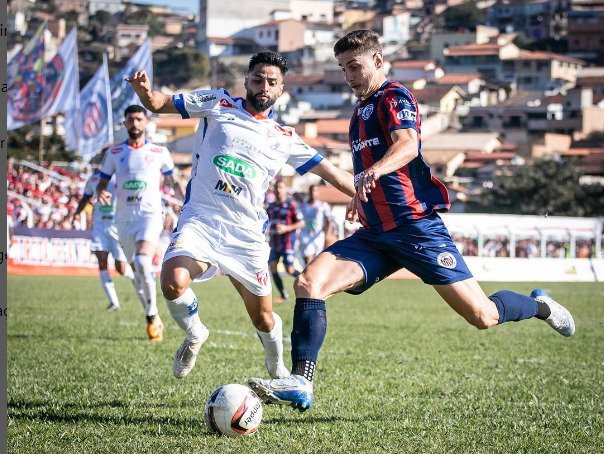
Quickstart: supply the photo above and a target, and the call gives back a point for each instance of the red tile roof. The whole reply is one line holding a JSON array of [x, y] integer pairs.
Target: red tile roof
[[457, 79], [333, 126], [472, 49], [548, 56], [405, 64]]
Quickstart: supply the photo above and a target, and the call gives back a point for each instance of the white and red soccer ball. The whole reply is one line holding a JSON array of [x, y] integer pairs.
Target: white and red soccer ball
[[233, 410]]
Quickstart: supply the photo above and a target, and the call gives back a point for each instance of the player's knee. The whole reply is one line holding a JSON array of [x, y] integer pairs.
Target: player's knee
[[306, 286], [263, 321], [172, 287]]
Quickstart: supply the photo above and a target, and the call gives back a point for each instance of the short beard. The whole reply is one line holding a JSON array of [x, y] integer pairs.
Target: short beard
[[134, 135], [259, 106]]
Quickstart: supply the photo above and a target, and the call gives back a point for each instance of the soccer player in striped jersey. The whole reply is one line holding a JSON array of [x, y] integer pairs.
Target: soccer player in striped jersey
[[397, 201], [285, 220]]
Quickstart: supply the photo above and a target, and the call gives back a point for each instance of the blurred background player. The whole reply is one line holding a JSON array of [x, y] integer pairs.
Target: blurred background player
[[285, 219], [238, 150], [317, 224], [104, 237], [138, 166]]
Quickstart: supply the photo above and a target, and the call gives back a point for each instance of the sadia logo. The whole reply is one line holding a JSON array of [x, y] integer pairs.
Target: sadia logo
[[234, 166], [134, 185]]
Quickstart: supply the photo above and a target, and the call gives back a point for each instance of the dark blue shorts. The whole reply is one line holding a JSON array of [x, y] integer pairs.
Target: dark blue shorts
[[288, 255], [424, 247]]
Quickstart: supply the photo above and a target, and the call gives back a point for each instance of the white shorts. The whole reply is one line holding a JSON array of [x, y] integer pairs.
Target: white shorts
[[227, 249], [311, 244], [145, 228], [105, 239]]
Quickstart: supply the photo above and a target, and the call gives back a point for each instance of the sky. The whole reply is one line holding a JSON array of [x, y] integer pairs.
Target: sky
[[179, 6]]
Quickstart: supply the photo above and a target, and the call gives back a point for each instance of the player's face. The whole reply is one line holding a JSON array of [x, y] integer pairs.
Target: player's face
[[136, 123], [264, 84], [281, 191], [362, 70]]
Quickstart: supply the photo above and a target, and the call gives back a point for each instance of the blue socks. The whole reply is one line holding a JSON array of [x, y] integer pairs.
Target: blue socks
[[513, 307], [310, 326]]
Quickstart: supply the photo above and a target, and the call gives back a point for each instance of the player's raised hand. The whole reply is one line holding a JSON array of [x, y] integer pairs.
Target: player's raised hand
[[140, 82], [105, 197]]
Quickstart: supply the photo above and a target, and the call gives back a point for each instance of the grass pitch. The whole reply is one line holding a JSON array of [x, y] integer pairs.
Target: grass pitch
[[399, 372]]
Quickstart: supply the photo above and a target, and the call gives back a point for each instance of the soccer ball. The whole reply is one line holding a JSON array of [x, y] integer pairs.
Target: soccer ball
[[233, 410]]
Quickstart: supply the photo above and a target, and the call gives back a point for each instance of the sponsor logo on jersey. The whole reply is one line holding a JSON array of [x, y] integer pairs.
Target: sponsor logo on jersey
[[406, 114], [106, 208], [366, 112], [225, 103], [202, 99], [134, 199], [358, 145], [262, 277], [235, 166], [229, 188], [446, 260], [284, 131], [116, 150], [134, 185]]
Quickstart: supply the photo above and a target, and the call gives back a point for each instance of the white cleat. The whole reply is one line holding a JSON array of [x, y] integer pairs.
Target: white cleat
[[560, 318], [186, 355], [293, 390]]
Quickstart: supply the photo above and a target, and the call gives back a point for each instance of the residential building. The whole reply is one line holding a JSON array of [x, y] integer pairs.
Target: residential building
[[128, 37], [111, 6], [541, 70], [440, 41], [403, 70], [586, 33], [537, 19]]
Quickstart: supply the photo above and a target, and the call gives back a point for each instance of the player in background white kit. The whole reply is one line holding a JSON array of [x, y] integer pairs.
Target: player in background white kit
[[317, 221], [104, 238], [138, 166], [238, 150]]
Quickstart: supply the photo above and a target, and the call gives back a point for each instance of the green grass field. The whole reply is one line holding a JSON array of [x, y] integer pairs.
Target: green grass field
[[399, 372]]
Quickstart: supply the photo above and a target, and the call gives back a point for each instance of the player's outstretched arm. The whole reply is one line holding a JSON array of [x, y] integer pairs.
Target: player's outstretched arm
[[155, 101], [339, 178]]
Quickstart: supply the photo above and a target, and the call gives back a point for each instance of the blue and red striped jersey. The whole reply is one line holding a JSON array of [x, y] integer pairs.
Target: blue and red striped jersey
[[408, 193], [283, 213]]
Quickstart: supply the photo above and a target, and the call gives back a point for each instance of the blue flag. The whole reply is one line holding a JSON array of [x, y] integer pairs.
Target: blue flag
[[92, 122], [26, 83], [122, 94]]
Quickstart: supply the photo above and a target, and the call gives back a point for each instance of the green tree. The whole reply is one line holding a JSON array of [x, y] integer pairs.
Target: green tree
[[24, 143], [547, 187], [144, 17], [464, 16], [180, 66]]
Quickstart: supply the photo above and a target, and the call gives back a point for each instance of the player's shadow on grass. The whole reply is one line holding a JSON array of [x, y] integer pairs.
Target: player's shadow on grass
[[307, 419]]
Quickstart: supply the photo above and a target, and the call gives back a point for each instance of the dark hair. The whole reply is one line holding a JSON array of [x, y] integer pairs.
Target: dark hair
[[135, 108], [268, 58], [358, 40]]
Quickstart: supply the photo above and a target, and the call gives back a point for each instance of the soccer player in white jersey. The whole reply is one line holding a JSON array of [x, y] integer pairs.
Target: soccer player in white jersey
[[104, 238], [317, 221], [138, 166], [238, 150]]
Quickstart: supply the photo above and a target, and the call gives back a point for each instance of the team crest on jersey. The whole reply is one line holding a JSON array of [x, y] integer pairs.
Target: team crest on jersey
[[366, 112], [225, 103], [262, 277], [284, 131], [156, 149], [446, 260]]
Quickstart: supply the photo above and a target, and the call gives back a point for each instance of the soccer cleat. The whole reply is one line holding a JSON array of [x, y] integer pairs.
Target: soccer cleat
[[186, 355], [113, 308], [560, 318], [293, 390], [155, 328]]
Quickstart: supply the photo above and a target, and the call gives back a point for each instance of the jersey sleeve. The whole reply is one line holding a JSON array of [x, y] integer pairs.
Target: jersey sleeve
[[167, 165], [90, 186], [400, 109], [302, 157], [108, 167], [199, 103]]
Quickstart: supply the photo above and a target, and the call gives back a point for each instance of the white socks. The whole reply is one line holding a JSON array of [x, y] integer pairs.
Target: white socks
[[129, 273], [184, 311], [143, 269], [273, 349], [109, 288]]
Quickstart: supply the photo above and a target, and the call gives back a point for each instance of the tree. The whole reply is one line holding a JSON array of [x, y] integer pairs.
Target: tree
[[547, 187], [145, 17], [464, 16], [180, 66], [23, 143]]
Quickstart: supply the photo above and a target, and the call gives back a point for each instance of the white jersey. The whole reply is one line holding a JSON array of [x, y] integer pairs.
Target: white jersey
[[137, 174], [315, 214], [235, 157], [102, 215]]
